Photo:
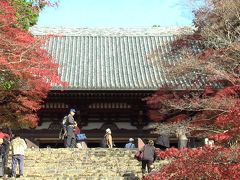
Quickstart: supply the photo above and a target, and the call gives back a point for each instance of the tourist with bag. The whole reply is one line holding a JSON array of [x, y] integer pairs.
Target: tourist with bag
[[70, 126], [148, 157]]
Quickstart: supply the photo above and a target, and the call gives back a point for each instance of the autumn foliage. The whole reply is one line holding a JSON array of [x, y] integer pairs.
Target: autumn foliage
[[199, 163], [26, 70], [210, 109]]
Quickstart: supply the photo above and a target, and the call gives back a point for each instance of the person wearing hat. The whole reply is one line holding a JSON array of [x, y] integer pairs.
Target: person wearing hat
[[70, 125], [130, 144], [108, 138]]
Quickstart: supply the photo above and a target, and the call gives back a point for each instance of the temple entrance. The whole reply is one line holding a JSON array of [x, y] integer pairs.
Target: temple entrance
[[123, 112]]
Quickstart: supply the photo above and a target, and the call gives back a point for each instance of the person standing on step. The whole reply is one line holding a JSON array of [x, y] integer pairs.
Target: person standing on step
[[163, 141], [108, 138], [130, 144], [71, 124], [3, 150], [5, 135], [182, 138], [148, 158], [17, 146]]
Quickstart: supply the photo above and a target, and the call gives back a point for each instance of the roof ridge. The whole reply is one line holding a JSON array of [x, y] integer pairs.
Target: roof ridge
[[110, 36], [135, 31]]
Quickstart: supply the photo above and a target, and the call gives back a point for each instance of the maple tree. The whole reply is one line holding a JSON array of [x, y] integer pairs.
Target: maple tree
[[210, 55], [199, 163], [27, 72]]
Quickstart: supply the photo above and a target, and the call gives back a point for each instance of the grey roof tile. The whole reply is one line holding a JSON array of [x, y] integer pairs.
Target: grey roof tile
[[111, 59]]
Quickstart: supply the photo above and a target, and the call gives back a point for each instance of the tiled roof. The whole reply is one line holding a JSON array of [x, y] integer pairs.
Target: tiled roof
[[112, 59]]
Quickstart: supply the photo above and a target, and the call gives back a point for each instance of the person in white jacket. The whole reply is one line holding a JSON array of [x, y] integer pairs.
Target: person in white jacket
[[17, 146]]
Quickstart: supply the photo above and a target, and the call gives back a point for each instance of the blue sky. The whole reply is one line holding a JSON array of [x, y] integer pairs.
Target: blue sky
[[117, 13]]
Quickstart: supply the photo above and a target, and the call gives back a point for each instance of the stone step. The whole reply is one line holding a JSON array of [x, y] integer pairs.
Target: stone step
[[92, 163], [81, 178]]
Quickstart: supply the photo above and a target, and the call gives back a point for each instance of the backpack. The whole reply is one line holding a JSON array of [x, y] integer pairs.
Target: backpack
[[65, 121], [63, 130]]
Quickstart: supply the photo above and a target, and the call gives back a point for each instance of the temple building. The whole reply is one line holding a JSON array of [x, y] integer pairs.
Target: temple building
[[109, 72]]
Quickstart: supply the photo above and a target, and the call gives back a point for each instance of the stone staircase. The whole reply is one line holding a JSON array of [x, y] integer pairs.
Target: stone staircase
[[82, 164]]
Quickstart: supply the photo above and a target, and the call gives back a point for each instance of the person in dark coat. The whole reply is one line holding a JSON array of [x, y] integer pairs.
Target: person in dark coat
[[148, 156], [3, 150], [71, 124], [2, 147], [163, 141], [5, 136]]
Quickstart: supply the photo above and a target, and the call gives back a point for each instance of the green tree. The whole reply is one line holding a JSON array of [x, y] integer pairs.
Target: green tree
[[27, 12]]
